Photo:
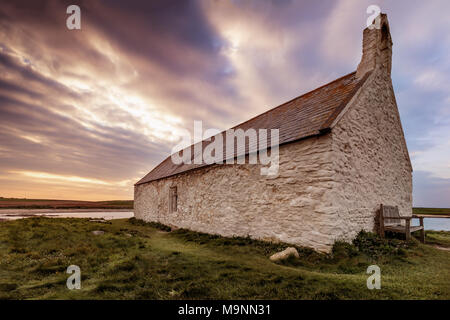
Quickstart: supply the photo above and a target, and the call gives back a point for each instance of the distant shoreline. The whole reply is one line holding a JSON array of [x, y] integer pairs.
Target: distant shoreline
[[2, 209], [21, 212], [48, 204]]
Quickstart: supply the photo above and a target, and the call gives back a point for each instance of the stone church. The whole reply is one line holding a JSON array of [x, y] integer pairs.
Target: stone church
[[342, 153]]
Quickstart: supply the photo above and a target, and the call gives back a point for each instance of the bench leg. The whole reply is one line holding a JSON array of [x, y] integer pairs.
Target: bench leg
[[381, 221], [408, 230], [422, 232]]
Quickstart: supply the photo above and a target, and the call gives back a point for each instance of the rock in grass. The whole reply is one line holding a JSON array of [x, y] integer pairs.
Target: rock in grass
[[284, 254], [97, 232]]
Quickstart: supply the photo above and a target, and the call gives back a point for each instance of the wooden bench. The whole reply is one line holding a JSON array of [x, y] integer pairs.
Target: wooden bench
[[389, 219]]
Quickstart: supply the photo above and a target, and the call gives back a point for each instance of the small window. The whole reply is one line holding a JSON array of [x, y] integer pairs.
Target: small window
[[173, 199]]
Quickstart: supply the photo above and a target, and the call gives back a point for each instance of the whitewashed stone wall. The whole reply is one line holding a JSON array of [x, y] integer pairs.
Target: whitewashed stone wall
[[235, 200], [371, 161], [328, 187]]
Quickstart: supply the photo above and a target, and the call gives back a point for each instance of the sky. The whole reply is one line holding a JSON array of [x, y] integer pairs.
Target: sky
[[84, 114]]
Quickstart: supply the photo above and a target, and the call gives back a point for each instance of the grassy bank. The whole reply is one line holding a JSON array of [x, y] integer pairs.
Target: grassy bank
[[16, 203], [133, 260], [437, 211]]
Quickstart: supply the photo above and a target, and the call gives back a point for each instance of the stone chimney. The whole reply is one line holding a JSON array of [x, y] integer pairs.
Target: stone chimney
[[377, 47]]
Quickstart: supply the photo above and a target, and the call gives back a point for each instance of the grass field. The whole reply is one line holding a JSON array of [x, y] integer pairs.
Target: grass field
[[16, 203], [135, 260], [437, 211]]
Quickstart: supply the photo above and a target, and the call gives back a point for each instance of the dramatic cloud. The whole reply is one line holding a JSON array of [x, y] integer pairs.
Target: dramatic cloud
[[86, 113]]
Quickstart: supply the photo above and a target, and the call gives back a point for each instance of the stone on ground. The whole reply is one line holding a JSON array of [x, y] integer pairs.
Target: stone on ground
[[282, 255]]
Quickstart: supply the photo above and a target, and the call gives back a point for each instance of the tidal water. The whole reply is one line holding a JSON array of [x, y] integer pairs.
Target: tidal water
[[107, 215], [437, 224]]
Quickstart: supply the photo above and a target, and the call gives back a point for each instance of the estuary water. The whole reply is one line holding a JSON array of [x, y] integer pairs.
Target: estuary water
[[99, 214], [437, 224]]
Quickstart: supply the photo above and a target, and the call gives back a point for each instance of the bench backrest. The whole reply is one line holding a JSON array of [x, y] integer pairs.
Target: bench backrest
[[389, 211]]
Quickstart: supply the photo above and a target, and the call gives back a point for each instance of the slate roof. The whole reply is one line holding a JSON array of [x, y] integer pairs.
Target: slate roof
[[308, 115]]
